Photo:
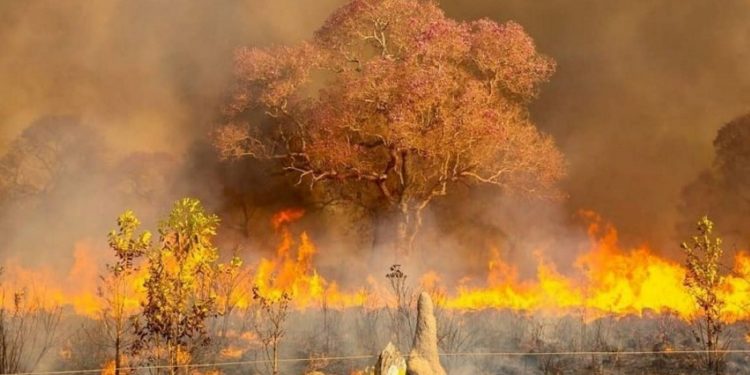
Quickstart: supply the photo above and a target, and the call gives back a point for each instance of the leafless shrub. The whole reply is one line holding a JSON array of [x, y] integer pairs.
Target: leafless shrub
[[324, 339], [85, 347], [368, 324], [28, 330], [269, 320], [536, 341], [599, 337], [453, 336], [229, 282], [402, 315]]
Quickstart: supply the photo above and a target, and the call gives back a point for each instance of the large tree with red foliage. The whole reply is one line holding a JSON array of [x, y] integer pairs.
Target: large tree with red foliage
[[392, 103]]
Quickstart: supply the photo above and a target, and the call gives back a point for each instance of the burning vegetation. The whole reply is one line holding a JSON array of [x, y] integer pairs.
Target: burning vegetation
[[308, 229], [172, 303]]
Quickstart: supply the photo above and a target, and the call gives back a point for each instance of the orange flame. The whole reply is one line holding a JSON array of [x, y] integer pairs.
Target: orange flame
[[41, 287], [607, 280], [613, 281], [80, 288], [286, 216], [293, 271]]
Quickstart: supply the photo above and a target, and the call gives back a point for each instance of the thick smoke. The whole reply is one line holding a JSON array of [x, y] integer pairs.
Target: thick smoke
[[148, 77], [149, 74], [639, 93]]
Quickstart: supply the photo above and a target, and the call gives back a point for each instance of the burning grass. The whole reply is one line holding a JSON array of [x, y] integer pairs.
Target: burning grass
[[619, 301], [608, 280]]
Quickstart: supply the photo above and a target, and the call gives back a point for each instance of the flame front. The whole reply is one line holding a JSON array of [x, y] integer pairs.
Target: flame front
[[607, 280], [610, 280], [79, 289]]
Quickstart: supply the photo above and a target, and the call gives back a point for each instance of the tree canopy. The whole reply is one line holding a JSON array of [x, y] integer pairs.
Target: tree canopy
[[391, 103]]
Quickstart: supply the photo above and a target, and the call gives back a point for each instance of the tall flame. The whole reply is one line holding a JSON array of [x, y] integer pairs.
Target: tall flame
[[293, 272], [607, 280], [611, 281], [43, 288]]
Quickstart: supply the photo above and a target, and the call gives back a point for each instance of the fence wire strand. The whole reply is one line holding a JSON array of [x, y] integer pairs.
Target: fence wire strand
[[360, 357]]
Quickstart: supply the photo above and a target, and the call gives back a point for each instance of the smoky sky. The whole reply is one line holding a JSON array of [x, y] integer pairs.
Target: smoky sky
[[149, 73], [640, 89]]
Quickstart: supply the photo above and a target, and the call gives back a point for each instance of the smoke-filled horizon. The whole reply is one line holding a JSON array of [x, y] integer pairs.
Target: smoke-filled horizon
[[639, 93], [638, 96]]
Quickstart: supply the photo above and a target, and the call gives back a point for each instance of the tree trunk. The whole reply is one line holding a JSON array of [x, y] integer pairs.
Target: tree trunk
[[409, 225], [384, 226], [395, 230], [117, 355], [275, 357]]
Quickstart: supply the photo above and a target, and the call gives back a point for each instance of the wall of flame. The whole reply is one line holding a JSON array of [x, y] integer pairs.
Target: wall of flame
[[608, 280]]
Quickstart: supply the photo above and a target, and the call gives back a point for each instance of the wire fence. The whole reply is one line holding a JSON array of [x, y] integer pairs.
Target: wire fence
[[372, 357]]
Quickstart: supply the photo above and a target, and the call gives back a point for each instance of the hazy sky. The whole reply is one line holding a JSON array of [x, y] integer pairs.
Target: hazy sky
[[640, 90]]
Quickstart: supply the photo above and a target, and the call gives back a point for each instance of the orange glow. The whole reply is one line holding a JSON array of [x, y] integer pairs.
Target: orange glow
[[109, 368], [286, 216], [291, 270], [606, 280], [42, 288], [610, 281]]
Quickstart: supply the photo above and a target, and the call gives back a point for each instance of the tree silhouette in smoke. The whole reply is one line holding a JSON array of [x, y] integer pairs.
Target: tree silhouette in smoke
[[391, 104], [48, 151], [723, 191]]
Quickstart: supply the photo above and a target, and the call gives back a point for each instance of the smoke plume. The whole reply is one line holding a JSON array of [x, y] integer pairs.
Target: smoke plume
[[639, 93]]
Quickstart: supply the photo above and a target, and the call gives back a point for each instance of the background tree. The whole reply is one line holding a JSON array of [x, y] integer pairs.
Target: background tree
[[179, 287], [45, 153], [723, 191], [702, 280], [391, 104], [147, 177], [49, 167]]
